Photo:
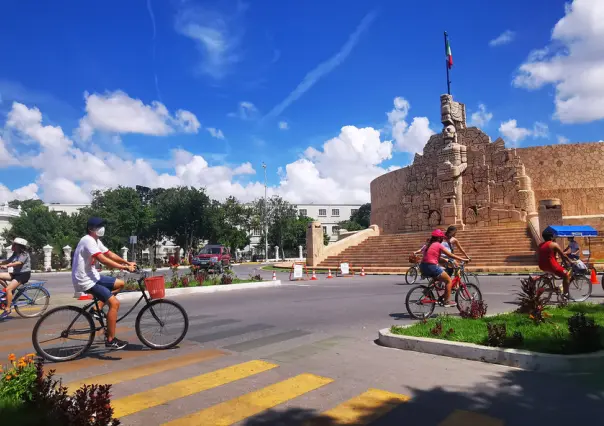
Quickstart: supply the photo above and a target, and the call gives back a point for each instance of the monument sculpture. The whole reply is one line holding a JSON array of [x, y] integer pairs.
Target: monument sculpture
[[460, 178]]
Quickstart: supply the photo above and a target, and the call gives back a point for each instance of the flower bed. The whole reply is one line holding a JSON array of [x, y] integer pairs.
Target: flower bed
[[563, 330], [30, 397]]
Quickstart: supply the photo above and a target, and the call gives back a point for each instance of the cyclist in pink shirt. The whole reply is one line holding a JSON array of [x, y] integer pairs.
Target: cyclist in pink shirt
[[429, 266]]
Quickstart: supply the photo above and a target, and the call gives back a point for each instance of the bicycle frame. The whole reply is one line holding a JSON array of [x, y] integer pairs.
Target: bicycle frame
[[21, 290], [457, 285]]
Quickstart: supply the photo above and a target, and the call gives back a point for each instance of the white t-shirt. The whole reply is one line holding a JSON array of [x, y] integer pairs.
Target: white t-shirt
[[83, 273]]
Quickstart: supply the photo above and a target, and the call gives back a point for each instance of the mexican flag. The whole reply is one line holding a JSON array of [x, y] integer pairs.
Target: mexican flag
[[449, 55]]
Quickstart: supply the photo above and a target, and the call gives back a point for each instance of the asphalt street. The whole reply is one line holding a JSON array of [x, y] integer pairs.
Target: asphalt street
[[312, 350]]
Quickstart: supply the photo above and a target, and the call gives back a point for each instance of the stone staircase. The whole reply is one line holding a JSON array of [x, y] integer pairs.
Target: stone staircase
[[501, 248]]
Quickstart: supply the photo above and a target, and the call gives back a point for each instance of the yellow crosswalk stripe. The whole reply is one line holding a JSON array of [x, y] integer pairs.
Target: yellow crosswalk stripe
[[237, 409], [360, 410], [163, 394], [464, 418], [148, 369]]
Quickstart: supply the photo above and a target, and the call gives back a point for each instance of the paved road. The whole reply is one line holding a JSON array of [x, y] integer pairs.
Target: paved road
[[278, 356]]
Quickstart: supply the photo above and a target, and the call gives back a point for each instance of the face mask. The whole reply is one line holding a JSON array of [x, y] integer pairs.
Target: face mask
[[100, 232]]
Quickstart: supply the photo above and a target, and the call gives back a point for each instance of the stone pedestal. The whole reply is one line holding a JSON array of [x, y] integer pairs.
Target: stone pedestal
[[67, 256], [550, 213], [47, 258], [314, 243], [124, 253], [300, 253], [277, 253]]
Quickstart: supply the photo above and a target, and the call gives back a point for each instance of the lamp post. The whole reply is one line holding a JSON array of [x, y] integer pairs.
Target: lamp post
[[265, 216]]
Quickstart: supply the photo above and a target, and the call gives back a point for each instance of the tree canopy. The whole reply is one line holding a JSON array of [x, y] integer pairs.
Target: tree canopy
[[360, 219]]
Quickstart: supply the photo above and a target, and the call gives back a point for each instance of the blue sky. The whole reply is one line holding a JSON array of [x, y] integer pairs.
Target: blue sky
[[245, 71]]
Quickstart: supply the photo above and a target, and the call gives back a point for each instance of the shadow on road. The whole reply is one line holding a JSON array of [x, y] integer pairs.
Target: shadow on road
[[512, 398]]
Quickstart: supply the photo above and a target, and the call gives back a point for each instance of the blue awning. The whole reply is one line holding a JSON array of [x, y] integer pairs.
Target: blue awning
[[573, 231]]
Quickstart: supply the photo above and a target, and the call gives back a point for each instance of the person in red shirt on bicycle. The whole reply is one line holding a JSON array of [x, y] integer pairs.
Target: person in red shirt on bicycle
[[547, 252], [430, 268]]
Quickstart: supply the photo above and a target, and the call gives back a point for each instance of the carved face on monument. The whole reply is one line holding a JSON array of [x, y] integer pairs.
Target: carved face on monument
[[445, 109], [450, 134]]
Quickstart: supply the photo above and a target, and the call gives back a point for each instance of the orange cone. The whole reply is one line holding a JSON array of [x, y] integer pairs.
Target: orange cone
[[329, 274], [314, 276], [362, 271], [594, 276], [274, 276], [85, 297]]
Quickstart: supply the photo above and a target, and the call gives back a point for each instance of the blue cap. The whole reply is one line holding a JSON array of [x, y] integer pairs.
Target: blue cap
[[95, 222]]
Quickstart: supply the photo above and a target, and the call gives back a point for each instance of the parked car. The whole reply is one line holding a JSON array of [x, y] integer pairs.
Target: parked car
[[215, 257]]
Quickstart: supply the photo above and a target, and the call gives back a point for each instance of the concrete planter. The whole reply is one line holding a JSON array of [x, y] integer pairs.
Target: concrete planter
[[170, 292], [526, 360]]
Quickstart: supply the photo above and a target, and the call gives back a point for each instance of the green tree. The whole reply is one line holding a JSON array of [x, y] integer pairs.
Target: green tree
[[361, 219]]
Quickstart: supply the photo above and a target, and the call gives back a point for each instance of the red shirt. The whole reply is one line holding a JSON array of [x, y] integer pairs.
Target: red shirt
[[547, 257]]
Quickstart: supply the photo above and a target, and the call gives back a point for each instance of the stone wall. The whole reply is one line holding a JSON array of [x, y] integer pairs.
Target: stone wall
[[572, 173]]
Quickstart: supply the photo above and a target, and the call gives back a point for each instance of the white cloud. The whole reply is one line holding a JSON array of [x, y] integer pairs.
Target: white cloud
[[27, 192], [511, 131], [481, 117], [283, 125], [216, 133], [562, 139], [7, 158], [245, 111], [505, 37], [573, 64], [323, 68], [337, 172], [116, 112], [214, 35], [409, 138]]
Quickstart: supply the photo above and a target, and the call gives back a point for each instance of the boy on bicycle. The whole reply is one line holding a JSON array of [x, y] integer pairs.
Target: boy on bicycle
[[21, 264], [87, 279], [547, 252]]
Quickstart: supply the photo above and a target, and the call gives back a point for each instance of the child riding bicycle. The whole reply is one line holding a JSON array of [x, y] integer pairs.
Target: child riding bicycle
[[21, 264]]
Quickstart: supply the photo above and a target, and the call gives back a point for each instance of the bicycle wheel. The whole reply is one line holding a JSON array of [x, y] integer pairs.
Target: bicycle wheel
[[419, 297], [472, 279], [580, 288], [411, 275], [549, 288], [74, 327], [465, 297], [32, 302], [168, 322]]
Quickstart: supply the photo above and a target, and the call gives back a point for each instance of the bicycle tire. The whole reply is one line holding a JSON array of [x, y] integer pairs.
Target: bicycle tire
[[460, 297], [36, 330], [23, 313], [411, 275], [471, 278], [585, 281], [152, 304], [547, 283], [425, 291]]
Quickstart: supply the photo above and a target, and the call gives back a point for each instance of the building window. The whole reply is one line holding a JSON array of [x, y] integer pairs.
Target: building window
[[335, 230], [335, 212], [303, 212], [325, 230], [322, 212], [354, 211]]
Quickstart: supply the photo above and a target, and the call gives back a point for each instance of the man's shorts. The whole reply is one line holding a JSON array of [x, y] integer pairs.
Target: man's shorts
[[558, 271], [430, 270], [103, 288]]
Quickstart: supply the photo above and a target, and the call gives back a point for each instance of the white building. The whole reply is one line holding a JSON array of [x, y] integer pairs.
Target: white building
[[6, 213]]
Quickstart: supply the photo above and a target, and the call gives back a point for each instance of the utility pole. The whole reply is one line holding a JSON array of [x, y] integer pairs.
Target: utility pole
[[265, 216]]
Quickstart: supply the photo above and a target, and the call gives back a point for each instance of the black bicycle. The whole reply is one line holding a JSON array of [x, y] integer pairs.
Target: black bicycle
[[75, 329]]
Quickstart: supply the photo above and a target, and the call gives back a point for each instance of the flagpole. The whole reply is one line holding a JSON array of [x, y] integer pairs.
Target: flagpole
[[447, 65]]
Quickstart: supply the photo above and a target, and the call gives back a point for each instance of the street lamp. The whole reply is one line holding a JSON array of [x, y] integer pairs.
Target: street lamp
[[265, 216]]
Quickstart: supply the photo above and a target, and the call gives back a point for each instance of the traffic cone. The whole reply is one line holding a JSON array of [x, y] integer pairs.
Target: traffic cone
[[84, 296], [329, 274], [362, 271], [594, 276], [274, 276], [314, 276]]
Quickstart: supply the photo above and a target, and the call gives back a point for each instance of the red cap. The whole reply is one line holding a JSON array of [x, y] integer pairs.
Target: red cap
[[438, 233]]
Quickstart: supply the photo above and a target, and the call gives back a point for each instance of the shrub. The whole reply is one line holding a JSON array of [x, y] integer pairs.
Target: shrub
[[184, 282], [437, 330], [256, 277], [584, 333], [201, 276], [226, 279], [478, 309], [497, 334], [449, 332], [530, 298]]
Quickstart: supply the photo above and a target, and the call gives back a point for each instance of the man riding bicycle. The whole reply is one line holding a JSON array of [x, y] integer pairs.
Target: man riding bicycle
[[547, 252], [21, 264], [87, 279]]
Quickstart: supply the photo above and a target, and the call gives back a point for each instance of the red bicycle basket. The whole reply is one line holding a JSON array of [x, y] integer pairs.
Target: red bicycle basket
[[156, 286]]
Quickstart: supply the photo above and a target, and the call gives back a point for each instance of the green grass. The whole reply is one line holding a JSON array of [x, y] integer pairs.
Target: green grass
[[549, 337]]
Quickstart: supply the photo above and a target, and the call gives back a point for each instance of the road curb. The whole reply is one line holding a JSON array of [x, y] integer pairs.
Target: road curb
[[526, 360], [134, 295]]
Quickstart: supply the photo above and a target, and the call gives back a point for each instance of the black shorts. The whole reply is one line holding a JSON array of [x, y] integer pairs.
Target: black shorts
[[21, 277]]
